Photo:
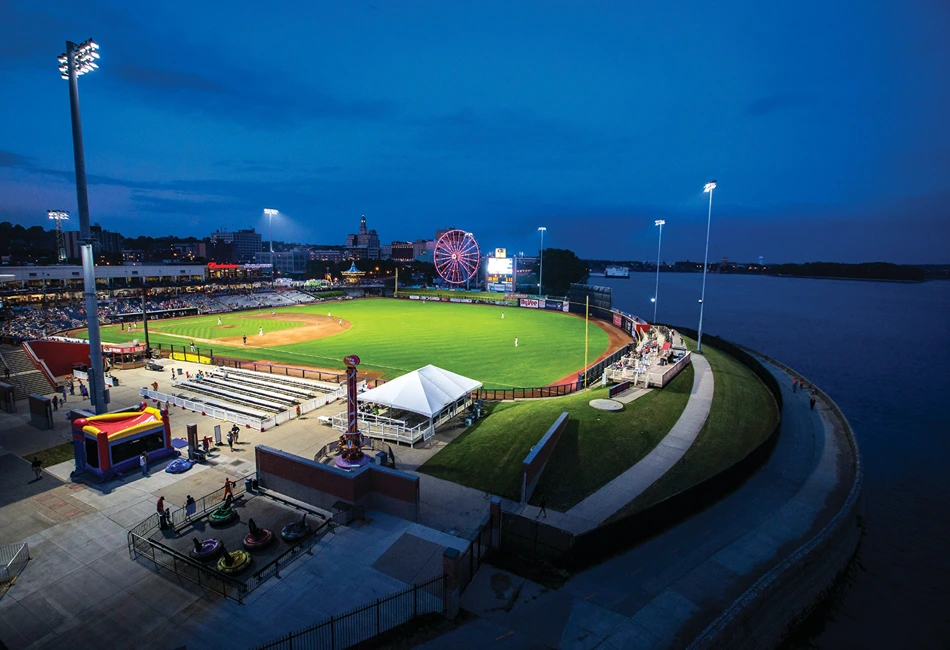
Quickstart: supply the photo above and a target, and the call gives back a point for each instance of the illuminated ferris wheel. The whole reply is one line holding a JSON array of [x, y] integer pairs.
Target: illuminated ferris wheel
[[456, 256]]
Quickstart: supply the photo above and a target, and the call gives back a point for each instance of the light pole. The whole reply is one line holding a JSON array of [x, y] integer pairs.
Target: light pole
[[467, 278], [59, 216], [541, 267], [708, 188], [656, 292], [270, 212], [77, 60]]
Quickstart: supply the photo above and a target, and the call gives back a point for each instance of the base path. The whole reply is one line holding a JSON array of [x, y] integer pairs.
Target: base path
[[628, 486]]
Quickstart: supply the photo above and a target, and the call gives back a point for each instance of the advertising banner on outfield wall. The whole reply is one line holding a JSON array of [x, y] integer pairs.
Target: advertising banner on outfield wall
[[628, 326], [554, 305], [529, 302], [618, 320]]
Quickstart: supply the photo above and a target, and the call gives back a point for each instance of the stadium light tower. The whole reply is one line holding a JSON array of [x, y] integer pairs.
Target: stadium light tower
[[541, 261], [656, 292], [271, 213], [75, 61], [708, 188], [59, 216]]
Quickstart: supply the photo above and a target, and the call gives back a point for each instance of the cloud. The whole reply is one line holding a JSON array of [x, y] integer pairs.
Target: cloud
[[777, 102], [14, 160]]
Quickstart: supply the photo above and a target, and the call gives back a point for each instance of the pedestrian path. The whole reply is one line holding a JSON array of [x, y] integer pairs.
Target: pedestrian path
[[626, 487], [666, 591]]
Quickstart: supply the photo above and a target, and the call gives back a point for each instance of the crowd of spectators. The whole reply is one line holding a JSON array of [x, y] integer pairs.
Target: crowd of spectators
[[35, 322]]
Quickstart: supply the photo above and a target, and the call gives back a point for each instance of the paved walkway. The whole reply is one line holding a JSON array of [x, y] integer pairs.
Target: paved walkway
[[667, 590], [626, 487]]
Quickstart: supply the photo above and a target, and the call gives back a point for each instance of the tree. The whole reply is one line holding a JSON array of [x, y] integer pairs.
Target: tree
[[561, 268]]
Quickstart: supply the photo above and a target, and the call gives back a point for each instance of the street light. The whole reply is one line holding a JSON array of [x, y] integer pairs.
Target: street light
[[271, 213], [78, 60], [708, 188], [656, 292], [59, 216], [541, 267]]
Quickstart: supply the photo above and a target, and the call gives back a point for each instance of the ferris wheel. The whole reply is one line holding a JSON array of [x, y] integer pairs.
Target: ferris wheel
[[456, 256]]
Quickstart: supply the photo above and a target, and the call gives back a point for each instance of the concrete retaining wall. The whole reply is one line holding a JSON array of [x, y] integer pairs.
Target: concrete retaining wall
[[533, 464], [372, 486], [763, 615]]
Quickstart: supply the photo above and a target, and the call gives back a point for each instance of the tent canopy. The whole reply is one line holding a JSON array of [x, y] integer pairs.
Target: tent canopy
[[425, 391]]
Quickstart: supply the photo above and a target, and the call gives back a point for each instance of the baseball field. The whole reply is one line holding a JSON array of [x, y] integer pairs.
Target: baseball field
[[393, 337]]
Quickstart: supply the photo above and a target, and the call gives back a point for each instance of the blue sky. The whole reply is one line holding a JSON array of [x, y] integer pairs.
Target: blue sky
[[825, 123]]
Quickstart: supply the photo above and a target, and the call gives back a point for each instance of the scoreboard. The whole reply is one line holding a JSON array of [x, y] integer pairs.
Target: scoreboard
[[500, 274]]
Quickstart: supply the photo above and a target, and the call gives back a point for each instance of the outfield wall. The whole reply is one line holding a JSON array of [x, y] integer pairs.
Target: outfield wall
[[533, 464]]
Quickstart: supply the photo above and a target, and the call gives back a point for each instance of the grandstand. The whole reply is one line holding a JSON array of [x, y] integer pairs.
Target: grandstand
[[257, 399]]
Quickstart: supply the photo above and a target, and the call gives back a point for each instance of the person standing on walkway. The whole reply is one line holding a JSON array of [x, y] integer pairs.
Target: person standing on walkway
[[37, 466], [795, 385], [143, 463], [543, 512], [228, 484], [72, 388], [811, 402], [62, 390], [6, 373], [230, 441], [190, 506], [83, 391]]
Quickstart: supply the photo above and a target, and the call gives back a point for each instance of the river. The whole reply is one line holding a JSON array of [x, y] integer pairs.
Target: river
[[879, 350]]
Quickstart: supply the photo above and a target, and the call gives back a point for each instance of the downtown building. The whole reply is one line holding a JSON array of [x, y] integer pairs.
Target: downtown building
[[246, 243], [363, 245]]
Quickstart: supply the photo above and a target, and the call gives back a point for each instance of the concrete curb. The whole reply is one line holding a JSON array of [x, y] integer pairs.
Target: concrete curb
[[764, 614]]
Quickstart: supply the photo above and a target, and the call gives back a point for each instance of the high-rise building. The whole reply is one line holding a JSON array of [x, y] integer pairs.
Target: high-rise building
[[422, 246], [402, 251], [247, 243], [292, 262], [364, 244]]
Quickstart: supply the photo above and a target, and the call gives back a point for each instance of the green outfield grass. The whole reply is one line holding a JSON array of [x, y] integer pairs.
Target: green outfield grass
[[595, 447], [398, 336]]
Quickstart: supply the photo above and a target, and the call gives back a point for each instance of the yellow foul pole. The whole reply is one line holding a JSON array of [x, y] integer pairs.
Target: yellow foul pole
[[586, 332], [396, 288]]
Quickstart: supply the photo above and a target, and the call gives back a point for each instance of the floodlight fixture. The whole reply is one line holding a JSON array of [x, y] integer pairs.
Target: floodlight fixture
[[542, 230], [708, 188]]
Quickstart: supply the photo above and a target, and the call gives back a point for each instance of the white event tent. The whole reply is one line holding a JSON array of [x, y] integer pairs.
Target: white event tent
[[431, 392]]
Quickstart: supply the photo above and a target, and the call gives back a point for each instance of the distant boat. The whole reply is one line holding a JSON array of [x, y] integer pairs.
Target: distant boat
[[617, 272]]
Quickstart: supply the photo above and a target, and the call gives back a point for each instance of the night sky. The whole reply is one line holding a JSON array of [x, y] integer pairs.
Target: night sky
[[825, 123]]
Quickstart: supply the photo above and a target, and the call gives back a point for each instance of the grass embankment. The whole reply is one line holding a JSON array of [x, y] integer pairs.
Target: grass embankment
[[53, 455], [743, 414], [595, 447], [397, 336]]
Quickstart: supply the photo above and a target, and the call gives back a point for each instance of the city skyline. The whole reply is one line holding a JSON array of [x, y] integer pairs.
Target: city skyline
[[822, 125]]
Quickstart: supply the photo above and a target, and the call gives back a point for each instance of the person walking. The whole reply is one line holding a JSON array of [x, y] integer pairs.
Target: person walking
[[245, 340], [72, 388], [143, 463], [543, 512], [62, 390], [160, 505], [37, 466], [230, 441], [795, 385], [228, 484], [219, 320], [811, 402]]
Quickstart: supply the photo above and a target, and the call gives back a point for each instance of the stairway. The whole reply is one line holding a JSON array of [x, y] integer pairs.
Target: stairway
[[25, 378]]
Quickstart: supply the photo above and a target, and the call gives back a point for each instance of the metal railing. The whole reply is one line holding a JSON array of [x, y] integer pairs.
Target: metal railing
[[207, 409], [13, 558], [142, 545], [385, 616]]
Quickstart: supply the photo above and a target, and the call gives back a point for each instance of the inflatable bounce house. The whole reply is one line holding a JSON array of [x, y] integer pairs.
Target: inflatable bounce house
[[110, 444]]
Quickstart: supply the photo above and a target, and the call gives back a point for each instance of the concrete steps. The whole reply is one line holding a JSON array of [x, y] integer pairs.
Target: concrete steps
[[25, 378]]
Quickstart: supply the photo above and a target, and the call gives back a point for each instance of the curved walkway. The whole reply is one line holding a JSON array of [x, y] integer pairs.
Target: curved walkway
[[628, 486], [664, 592]]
